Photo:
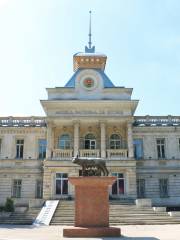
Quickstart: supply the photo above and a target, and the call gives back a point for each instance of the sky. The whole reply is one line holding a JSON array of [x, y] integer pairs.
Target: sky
[[38, 38]]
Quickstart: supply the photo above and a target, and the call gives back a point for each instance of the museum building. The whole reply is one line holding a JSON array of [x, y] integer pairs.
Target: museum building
[[92, 117]]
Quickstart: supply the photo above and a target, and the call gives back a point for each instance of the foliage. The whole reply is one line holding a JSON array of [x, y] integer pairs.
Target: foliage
[[1, 208], [9, 205]]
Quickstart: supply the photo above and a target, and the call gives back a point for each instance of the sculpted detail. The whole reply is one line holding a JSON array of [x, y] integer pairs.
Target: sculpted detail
[[91, 166]]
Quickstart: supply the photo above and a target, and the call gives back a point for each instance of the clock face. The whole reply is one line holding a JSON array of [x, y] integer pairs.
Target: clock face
[[88, 80]]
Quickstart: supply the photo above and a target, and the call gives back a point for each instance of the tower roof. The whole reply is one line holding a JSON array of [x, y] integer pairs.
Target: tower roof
[[106, 81], [89, 58]]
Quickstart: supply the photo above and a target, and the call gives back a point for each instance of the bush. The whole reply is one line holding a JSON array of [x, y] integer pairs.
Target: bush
[[9, 205], [1, 208]]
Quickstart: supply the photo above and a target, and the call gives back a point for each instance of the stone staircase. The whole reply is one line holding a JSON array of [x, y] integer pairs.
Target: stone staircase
[[25, 218], [121, 213]]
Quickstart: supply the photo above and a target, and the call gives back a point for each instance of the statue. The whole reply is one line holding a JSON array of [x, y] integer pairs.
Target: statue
[[91, 166]]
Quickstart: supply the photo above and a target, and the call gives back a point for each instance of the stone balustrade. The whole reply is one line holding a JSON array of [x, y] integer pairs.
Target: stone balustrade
[[117, 153], [62, 153], [33, 121], [89, 153], [151, 121]]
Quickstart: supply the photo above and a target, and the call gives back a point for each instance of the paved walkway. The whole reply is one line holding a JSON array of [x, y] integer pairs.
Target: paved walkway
[[137, 232]]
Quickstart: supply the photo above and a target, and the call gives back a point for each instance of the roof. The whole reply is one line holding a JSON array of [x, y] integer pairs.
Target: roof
[[89, 54], [106, 81]]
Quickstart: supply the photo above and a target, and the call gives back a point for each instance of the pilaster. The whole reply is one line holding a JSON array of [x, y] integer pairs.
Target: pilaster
[[49, 148], [103, 139], [76, 137], [130, 140]]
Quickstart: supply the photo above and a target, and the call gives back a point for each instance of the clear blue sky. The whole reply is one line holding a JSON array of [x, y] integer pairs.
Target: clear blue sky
[[39, 37]]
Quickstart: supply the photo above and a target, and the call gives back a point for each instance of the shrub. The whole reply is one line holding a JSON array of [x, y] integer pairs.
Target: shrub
[[9, 205], [1, 208]]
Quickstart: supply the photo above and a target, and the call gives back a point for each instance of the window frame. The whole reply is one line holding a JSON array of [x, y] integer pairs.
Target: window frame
[[42, 154], [39, 189], [164, 194], [90, 142], [117, 182], [66, 142], [161, 148], [61, 179], [139, 187], [19, 148], [114, 141], [135, 148], [17, 188]]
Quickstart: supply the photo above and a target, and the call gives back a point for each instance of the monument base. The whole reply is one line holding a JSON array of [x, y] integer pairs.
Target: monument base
[[92, 232]]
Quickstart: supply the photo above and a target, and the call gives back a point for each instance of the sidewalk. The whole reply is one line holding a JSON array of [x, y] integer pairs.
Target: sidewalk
[[134, 232]]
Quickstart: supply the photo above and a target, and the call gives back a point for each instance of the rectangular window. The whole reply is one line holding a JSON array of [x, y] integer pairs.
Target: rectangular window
[[163, 187], [160, 148], [118, 186], [138, 148], [39, 189], [61, 183], [19, 148], [141, 188], [16, 188], [179, 143], [42, 143]]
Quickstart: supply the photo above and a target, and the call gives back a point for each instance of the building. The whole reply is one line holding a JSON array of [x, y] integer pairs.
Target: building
[[91, 116]]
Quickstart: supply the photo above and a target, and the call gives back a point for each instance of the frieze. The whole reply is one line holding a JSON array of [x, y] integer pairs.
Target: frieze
[[89, 112]]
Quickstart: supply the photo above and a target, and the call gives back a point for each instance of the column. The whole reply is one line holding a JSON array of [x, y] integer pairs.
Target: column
[[49, 141], [76, 138], [130, 140], [103, 139]]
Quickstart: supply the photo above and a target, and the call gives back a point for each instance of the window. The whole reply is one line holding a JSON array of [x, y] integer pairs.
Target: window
[[138, 148], [90, 142], [19, 148], [16, 191], [39, 189], [115, 141], [42, 148], [179, 143], [141, 188], [61, 183], [64, 142], [160, 147], [163, 187], [118, 186]]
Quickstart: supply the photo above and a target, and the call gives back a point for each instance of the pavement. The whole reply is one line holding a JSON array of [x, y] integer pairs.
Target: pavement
[[130, 232]]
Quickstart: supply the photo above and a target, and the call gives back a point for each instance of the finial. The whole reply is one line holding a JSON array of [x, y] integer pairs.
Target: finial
[[90, 49], [90, 43]]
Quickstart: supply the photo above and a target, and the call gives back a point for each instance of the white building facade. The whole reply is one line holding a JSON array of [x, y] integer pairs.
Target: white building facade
[[94, 118]]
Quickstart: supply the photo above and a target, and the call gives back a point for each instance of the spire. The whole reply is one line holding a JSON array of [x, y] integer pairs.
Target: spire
[[90, 43], [90, 49]]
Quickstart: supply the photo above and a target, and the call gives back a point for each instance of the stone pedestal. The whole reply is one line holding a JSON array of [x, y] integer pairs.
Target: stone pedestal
[[91, 208]]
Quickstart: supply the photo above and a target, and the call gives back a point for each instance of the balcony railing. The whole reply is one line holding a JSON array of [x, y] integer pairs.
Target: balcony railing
[[62, 153], [89, 153], [117, 153], [111, 153]]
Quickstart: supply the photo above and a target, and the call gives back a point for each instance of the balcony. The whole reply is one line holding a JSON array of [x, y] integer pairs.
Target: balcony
[[67, 154], [89, 153], [62, 153], [117, 153]]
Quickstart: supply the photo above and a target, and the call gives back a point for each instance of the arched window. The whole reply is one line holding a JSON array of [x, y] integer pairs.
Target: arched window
[[115, 141], [64, 142], [90, 141]]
